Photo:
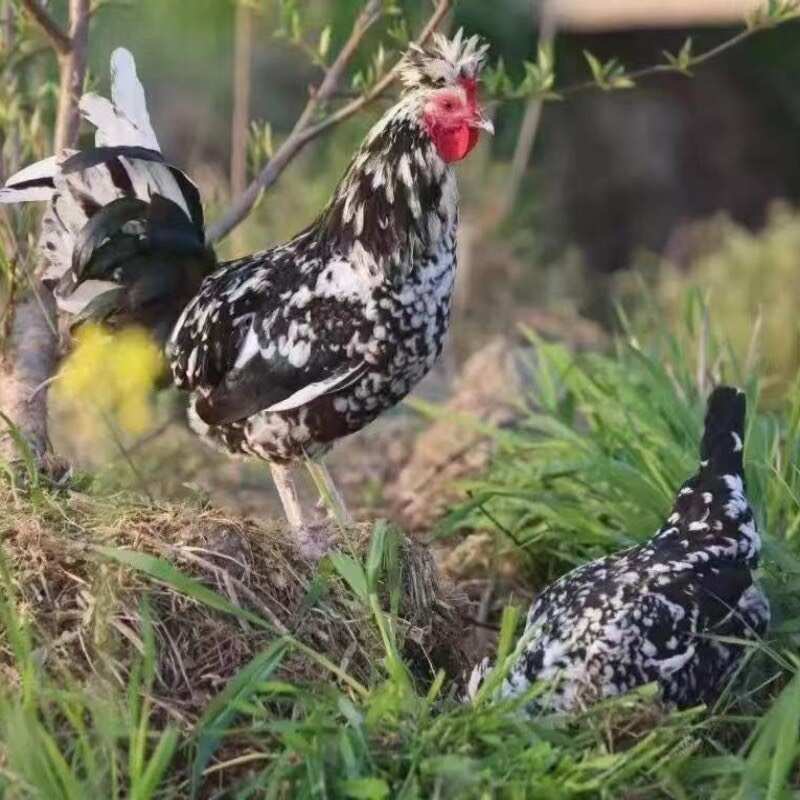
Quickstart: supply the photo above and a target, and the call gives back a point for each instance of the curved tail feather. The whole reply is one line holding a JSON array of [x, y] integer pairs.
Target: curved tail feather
[[123, 235]]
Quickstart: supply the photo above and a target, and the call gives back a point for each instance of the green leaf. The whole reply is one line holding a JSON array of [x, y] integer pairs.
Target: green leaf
[[148, 785], [685, 54], [366, 788], [774, 751], [506, 655], [352, 572], [212, 726], [324, 42], [610, 75], [379, 550], [598, 71], [621, 82], [296, 27], [682, 62]]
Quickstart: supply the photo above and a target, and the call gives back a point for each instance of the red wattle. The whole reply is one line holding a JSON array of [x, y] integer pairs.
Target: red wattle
[[456, 143]]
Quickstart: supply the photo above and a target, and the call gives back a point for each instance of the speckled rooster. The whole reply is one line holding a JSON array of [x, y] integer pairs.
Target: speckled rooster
[[288, 349], [673, 611]]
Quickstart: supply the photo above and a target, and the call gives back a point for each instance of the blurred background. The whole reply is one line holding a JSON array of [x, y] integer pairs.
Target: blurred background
[[605, 200]]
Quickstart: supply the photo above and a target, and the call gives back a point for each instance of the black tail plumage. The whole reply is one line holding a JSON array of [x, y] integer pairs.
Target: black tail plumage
[[153, 255], [123, 235], [722, 445]]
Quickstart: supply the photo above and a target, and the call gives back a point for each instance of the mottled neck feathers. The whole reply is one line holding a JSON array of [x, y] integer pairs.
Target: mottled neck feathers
[[396, 201]]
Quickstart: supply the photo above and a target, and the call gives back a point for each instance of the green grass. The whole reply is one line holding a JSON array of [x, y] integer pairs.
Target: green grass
[[605, 440]]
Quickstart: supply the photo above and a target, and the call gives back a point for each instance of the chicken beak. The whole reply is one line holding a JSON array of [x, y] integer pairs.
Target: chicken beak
[[482, 122]]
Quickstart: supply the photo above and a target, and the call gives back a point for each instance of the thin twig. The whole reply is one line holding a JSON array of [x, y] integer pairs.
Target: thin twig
[[533, 112], [296, 140], [304, 130], [529, 129], [61, 42], [185, 554], [242, 58], [45, 384], [528, 132], [120, 445], [496, 522], [443, 6], [666, 69], [654, 69], [487, 595], [479, 624]]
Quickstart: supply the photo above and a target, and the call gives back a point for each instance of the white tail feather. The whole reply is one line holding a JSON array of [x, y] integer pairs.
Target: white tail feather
[[123, 120], [46, 168], [36, 194], [41, 170], [73, 198], [151, 177], [128, 95]]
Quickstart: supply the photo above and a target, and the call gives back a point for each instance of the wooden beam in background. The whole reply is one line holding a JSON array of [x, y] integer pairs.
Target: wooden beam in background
[[599, 15]]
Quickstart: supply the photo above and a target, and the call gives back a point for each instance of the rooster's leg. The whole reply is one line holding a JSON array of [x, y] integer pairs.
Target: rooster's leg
[[329, 492], [313, 540], [288, 494]]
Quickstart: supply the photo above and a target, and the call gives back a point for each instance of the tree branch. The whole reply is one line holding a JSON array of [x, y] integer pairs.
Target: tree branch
[[62, 43], [353, 107], [529, 129], [304, 130], [667, 69], [72, 68], [242, 58], [30, 352], [530, 125]]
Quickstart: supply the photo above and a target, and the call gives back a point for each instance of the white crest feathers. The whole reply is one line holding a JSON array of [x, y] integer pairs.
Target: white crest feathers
[[443, 61]]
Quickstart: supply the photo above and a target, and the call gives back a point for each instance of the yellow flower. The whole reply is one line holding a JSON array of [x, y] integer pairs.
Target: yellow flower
[[112, 375]]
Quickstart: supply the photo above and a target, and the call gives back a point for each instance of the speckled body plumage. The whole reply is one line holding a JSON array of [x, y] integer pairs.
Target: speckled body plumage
[[343, 321], [661, 612]]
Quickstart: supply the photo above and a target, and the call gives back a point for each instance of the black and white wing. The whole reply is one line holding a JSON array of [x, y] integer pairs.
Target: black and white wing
[[256, 338]]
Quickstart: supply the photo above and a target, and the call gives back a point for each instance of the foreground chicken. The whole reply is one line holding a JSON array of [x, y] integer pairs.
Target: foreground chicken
[[289, 349], [668, 611]]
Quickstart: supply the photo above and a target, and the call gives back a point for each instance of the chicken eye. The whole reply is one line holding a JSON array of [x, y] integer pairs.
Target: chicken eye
[[448, 105]]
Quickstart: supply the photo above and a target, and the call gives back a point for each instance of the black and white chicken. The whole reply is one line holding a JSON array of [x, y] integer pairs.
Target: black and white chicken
[[671, 611], [291, 348]]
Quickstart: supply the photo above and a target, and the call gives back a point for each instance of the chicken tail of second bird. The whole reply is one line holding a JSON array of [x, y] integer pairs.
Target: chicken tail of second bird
[[722, 446]]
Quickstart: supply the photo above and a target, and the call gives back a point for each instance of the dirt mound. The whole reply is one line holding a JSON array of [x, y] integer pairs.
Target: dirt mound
[[83, 606]]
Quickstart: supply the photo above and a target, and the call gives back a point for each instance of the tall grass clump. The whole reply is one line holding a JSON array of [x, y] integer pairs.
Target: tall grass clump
[[605, 439], [751, 280]]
